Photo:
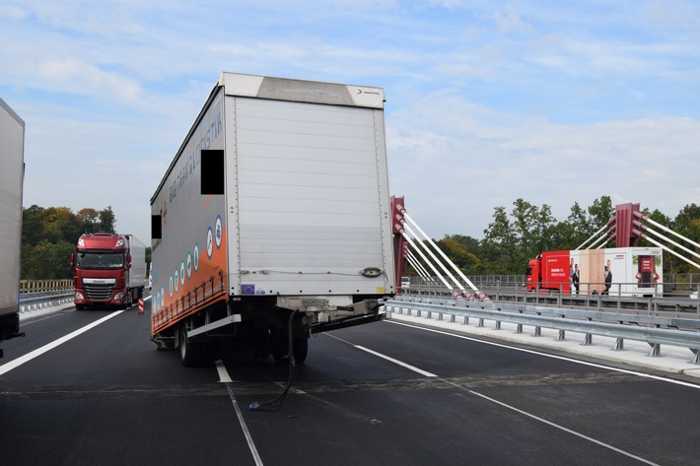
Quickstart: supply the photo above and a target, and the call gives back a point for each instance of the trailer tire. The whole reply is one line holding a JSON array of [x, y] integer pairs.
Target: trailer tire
[[301, 349], [192, 354], [278, 341]]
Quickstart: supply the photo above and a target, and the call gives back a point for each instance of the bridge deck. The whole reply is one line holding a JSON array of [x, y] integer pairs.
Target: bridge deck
[[107, 397]]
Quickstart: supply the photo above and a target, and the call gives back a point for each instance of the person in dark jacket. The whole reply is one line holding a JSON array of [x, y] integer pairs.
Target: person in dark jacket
[[608, 280], [576, 278]]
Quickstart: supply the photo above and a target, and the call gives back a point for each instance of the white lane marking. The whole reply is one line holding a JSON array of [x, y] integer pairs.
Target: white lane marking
[[506, 405], [224, 376], [386, 358], [15, 363], [557, 426], [553, 356], [221, 369]]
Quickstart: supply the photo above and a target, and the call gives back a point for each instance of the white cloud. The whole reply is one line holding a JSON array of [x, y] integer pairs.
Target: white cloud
[[149, 66], [455, 161], [84, 78], [12, 12]]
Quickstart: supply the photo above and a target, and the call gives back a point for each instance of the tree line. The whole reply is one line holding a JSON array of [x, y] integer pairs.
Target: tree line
[[518, 234], [50, 234]]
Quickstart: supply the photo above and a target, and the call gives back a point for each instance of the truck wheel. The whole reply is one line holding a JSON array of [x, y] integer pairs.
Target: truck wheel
[[301, 349], [79, 307], [279, 345], [191, 354]]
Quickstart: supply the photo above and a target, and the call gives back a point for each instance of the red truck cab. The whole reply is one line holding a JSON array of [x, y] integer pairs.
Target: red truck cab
[[550, 270], [101, 264]]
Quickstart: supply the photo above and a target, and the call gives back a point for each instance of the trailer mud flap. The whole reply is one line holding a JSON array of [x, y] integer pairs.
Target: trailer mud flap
[[346, 322]]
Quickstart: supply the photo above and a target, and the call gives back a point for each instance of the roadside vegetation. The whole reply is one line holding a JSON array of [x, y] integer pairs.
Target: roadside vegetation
[[520, 233], [49, 236]]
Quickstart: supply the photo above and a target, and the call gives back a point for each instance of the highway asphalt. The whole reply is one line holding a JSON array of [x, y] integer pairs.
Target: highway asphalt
[[379, 394]]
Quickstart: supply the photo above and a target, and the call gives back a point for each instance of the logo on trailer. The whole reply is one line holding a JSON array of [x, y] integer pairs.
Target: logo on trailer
[[210, 243], [189, 265], [219, 231], [195, 253], [182, 273]]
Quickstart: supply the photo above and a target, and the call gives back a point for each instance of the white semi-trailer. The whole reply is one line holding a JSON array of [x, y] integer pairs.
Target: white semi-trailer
[[273, 216], [11, 183]]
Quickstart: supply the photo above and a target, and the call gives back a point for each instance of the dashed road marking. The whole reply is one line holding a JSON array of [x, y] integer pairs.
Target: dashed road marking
[[225, 378], [501, 403], [386, 358], [553, 356]]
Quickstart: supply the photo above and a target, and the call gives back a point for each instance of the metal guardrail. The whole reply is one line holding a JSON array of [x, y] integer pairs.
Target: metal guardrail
[[504, 312], [33, 303], [45, 286], [659, 319], [599, 301]]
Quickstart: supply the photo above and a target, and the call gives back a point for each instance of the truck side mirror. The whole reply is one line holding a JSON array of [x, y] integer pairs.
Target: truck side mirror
[[128, 260]]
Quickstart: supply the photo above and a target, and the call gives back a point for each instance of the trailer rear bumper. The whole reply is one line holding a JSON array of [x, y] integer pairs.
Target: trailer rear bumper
[[320, 327]]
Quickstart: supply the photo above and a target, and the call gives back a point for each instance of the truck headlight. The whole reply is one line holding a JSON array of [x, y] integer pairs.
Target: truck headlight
[[118, 296], [79, 296]]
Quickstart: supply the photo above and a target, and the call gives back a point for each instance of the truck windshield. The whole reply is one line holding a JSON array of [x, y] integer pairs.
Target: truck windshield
[[100, 260]]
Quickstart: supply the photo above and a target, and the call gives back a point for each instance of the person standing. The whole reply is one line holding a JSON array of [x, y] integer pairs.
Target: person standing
[[576, 279], [608, 280]]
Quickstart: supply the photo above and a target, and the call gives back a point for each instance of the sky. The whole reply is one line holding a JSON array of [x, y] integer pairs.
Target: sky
[[487, 101]]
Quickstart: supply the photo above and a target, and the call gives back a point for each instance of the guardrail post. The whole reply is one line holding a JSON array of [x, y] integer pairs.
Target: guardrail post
[[498, 325], [561, 335], [466, 320], [619, 344], [588, 340], [439, 315], [452, 317], [519, 328], [561, 290], [655, 349], [696, 356], [481, 322], [538, 331]]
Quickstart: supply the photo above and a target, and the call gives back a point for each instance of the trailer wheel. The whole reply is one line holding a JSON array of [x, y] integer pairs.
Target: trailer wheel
[[191, 354], [301, 349], [279, 345]]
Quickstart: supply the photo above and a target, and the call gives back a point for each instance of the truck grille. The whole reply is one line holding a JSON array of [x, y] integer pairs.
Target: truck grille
[[98, 292]]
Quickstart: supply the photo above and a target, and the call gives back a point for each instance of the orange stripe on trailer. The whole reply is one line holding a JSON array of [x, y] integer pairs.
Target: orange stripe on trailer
[[173, 319]]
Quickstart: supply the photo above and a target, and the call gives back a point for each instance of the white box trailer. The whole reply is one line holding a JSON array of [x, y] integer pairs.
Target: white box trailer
[[137, 268], [11, 184], [275, 206], [635, 271]]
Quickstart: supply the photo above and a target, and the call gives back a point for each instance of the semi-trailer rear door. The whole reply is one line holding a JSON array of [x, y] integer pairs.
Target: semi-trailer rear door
[[312, 198]]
